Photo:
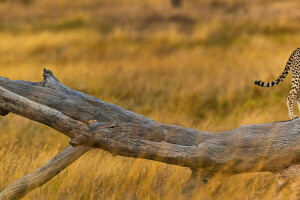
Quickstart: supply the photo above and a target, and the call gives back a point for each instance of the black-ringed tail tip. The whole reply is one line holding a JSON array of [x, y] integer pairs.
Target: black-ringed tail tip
[[294, 64], [266, 84], [256, 82]]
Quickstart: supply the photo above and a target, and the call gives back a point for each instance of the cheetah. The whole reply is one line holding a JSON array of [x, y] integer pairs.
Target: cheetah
[[294, 64]]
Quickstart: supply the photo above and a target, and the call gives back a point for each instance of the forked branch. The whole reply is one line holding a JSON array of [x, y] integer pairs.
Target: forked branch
[[271, 147], [40, 176]]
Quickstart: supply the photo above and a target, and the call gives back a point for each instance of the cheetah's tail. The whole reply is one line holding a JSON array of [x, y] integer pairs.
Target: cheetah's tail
[[280, 78]]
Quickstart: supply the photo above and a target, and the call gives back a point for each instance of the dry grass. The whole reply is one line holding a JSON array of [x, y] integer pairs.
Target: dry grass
[[192, 66]]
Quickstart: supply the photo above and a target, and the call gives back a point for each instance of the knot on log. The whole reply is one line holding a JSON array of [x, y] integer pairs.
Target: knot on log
[[2, 111]]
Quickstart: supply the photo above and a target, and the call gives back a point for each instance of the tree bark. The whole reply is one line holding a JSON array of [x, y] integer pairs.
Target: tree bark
[[40, 176], [93, 123]]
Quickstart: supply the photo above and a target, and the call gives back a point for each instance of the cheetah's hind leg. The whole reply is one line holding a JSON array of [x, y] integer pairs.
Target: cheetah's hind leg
[[290, 103], [298, 100]]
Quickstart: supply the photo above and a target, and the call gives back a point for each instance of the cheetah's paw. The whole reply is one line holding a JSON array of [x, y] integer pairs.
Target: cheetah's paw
[[294, 117]]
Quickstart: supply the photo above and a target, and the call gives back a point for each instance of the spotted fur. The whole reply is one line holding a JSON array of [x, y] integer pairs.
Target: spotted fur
[[294, 64]]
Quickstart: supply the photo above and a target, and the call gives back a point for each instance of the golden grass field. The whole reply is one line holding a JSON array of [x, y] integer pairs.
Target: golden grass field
[[192, 66]]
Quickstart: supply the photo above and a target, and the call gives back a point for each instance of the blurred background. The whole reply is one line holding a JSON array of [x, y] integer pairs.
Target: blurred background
[[184, 62]]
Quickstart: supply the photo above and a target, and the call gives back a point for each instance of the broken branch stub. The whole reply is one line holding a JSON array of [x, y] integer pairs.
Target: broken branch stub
[[93, 123]]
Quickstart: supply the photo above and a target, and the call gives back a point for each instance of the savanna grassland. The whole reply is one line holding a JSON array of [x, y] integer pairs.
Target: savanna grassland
[[192, 66]]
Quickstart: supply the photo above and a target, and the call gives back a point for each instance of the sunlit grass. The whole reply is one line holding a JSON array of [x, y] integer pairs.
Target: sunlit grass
[[192, 67]]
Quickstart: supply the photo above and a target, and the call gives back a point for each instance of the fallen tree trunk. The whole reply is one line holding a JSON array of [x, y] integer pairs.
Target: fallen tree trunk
[[93, 123]]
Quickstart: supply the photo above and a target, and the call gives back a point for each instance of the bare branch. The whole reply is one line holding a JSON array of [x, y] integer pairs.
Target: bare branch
[[40, 176], [91, 122], [247, 148]]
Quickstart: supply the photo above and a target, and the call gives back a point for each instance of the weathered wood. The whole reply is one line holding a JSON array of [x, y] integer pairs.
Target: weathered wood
[[267, 147], [272, 147], [287, 175], [53, 94], [42, 175], [198, 177], [77, 105]]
